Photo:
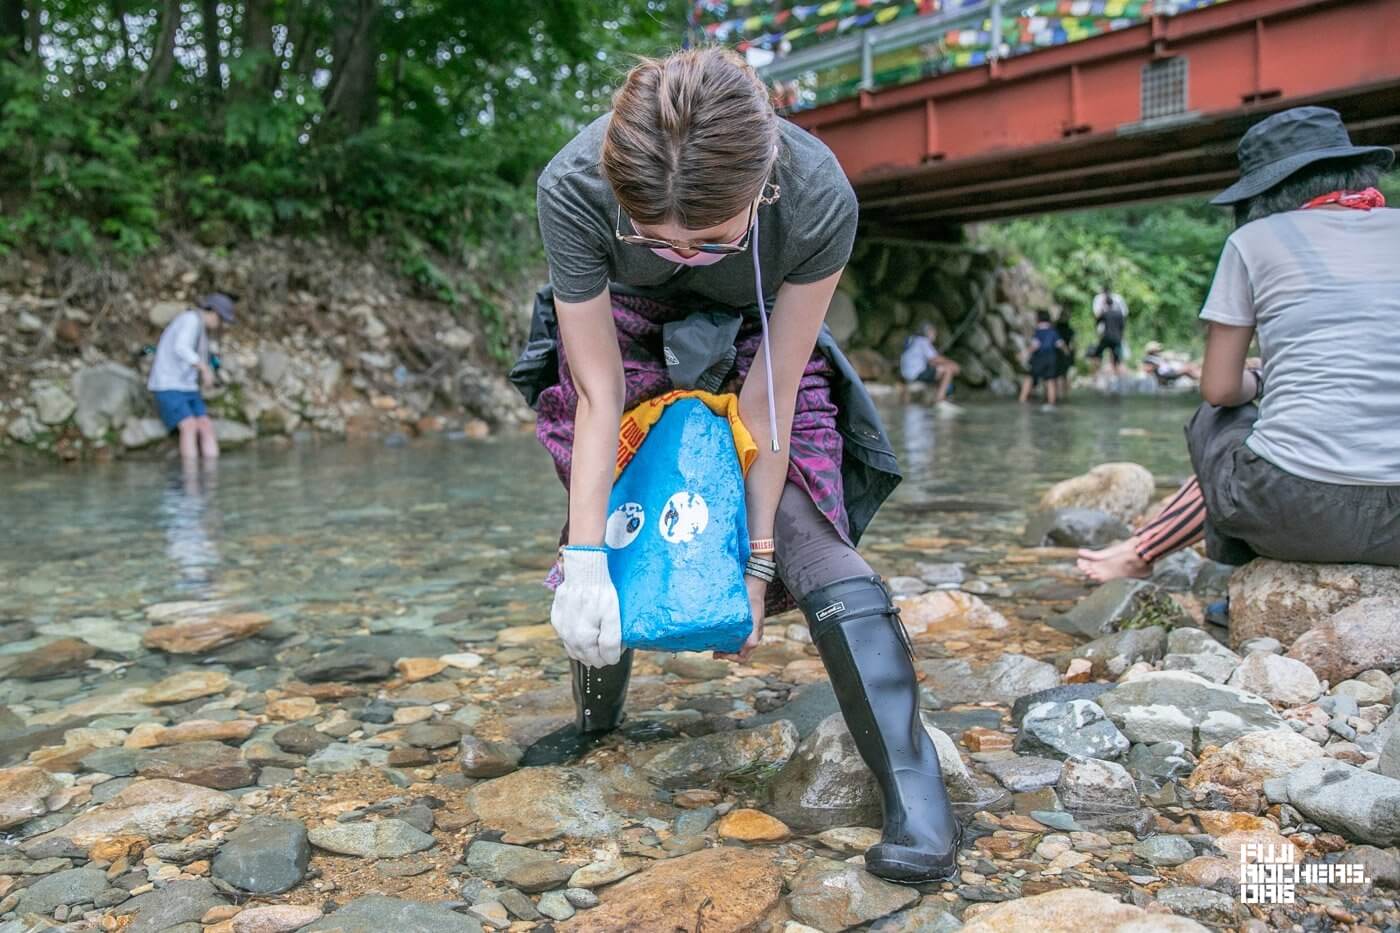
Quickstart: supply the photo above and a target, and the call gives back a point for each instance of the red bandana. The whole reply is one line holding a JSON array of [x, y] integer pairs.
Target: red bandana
[[1359, 200]]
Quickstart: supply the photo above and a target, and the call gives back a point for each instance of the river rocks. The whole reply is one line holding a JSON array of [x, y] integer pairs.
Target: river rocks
[[1190, 649], [207, 764], [1161, 761], [1123, 490], [149, 735], [107, 394], [281, 918], [142, 432], [1025, 773], [524, 868], [1164, 851], [1358, 804], [731, 889], [940, 611], [1285, 600], [1112, 654], [836, 896], [692, 762], [1120, 604], [53, 405], [1061, 694], [1285, 681], [696, 666], [347, 665], [538, 804], [1096, 786], [825, 784], [186, 685], [1182, 707], [22, 794], [432, 735], [152, 808], [198, 636], [339, 759], [75, 886], [1004, 680], [480, 758], [747, 825], [1079, 728], [385, 839], [377, 914], [1073, 527], [1072, 910], [176, 907], [301, 740], [265, 856], [1356, 638], [1239, 769], [54, 659]]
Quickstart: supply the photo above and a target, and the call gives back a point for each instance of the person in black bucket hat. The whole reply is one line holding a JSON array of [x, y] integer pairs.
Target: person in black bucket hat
[[1280, 145], [1296, 459]]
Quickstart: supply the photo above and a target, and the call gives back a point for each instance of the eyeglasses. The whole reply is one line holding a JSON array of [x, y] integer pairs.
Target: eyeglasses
[[722, 249], [651, 242]]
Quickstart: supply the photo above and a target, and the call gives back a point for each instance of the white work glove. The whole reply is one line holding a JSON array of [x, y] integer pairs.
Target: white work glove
[[585, 611]]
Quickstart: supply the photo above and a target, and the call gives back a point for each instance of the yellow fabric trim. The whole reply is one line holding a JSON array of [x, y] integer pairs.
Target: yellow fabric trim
[[637, 422]]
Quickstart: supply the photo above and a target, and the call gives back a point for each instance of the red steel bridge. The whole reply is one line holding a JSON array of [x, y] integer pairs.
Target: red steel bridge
[[1151, 110]]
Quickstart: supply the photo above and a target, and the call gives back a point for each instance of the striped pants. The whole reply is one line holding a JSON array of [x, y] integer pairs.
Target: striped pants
[[1182, 523]]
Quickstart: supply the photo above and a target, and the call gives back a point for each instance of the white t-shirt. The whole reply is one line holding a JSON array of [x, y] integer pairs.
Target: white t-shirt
[[183, 346], [918, 353], [1322, 288]]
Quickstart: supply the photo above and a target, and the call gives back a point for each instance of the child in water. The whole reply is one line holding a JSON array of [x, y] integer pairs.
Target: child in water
[[1042, 358]]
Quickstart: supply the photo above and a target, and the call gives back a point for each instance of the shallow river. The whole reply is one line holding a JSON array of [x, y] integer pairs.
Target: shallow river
[[453, 533]]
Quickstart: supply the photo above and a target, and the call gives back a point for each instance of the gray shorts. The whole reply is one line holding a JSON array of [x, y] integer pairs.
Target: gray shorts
[[1255, 509]]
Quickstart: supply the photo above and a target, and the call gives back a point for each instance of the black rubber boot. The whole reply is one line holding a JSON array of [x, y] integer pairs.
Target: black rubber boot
[[867, 654], [599, 694]]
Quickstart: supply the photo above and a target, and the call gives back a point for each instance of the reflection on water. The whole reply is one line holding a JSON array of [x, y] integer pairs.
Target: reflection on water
[[456, 532]]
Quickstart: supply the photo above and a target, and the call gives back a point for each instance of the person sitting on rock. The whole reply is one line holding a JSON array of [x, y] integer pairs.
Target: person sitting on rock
[[1166, 371], [1299, 461], [921, 362], [651, 220], [182, 369]]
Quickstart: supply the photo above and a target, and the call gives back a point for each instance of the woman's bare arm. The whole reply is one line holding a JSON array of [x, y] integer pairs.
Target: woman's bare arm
[[797, 319], [1224, 381], [595, 363]]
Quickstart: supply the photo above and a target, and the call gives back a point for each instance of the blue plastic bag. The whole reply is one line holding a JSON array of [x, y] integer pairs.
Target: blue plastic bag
[[677, 536]]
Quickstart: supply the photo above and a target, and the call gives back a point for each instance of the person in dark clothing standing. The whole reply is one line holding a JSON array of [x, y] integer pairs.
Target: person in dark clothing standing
[[1111, 315], [1064, 357], [1043, 359]]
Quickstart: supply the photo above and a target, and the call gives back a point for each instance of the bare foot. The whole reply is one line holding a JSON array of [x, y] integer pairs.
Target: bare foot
[[1111, 563]]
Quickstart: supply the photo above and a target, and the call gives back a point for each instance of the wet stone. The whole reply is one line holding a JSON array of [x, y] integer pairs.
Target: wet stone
[[75, 886], [432, 735], [301, 740], [1025, 773], [1112, 654], [1076, 728], [1200, 904], [480, 758], [832, 895], [1073, 527], [377, 914], [1096, 786], [1061, 694], [266, 856], [1164, 851], [1120, 604], [384, 839], [207, 764], [346, 665], [555, 905], [180, 902]]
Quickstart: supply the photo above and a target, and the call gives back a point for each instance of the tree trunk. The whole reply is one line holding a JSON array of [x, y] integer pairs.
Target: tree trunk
[[213, 61], [119, 22], [352, 97], [257, 42], [163, 55], [36, 27], [12, 27]]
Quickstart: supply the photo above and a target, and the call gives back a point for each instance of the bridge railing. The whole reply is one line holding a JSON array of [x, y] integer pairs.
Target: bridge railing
[[888, 44]]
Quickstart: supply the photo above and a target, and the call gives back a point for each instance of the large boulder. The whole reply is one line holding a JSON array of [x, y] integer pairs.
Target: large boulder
[[1284, 600], [1358, 804], [719, 889], [1120, 604], [107, 395], [1123, 490], [1236, 773], [1357, 638], [1070, 910], [1179, 706]]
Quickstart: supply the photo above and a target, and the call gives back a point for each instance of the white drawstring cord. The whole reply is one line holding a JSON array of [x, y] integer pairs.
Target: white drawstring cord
[[767, 351]]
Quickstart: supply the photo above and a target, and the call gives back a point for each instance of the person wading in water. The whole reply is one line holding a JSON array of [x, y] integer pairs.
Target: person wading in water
[[671, 224]]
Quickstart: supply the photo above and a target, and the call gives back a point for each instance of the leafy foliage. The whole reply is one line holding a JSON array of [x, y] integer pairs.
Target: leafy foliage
[[416, 123]]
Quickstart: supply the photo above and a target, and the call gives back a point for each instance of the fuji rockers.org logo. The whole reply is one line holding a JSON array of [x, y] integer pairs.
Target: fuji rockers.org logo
[[1270, 874]]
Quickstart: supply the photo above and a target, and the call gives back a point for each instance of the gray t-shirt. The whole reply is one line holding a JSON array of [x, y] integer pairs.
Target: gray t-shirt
[[804, 236], [183, 346], [1322, 287]]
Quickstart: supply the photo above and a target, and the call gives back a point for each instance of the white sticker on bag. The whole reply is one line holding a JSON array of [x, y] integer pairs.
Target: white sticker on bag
[[684, 517], [624, 524]]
